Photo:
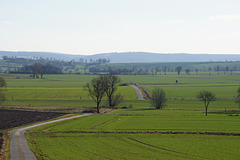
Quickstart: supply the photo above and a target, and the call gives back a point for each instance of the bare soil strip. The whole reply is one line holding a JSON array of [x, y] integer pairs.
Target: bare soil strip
[[147, 95]]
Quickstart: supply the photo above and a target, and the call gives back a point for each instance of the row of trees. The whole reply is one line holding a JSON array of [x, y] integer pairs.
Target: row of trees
[[95, 61], [154, 71], [15, 59], [159, 98], [94, 66], [38, 70], [21, 67], [104, 85], [107, 85]]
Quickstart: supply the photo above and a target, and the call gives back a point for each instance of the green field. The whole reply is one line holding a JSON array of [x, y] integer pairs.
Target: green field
[[54, 87], [179, 131], [71, 87], [61, 146], [144, 135]]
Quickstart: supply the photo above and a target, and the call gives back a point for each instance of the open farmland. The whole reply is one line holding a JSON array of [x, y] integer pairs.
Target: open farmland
[[148, 134], [179, 131], [58, 93], [71, 87], [53, 87], [61, 146]]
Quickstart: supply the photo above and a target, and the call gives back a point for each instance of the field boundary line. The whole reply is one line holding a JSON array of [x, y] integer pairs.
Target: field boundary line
[[147, 95], [151, 132]]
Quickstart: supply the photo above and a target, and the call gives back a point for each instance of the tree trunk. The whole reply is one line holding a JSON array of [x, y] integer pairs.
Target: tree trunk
[[110, 102], [98, 107]]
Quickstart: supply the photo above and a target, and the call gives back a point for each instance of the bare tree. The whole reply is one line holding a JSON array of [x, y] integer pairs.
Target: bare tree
[[116, 100], [159, 99], [110, 85], [206, 97], [187, 71], [178, 69], [238, 97], [37, 69], [196, 70], [227, 69], [209, 70], [96, 90], [165, 70], [2, 85], [218, 69]]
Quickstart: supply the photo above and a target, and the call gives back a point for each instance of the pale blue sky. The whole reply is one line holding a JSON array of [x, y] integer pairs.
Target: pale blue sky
[[102, 26]]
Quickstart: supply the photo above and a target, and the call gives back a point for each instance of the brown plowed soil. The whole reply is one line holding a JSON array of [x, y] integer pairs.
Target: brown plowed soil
[[15, 118]]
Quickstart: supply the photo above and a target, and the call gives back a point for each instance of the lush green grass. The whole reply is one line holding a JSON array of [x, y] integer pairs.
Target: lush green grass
[[66, 140], [199, 105], [167, 120], [188, 86], [60, 93], [178, 104], [54, 87], [53, 103], [190, 91], [131, 133], [188, 79], [70, 87], [81, 124], [61, 146], [175, 123], [49, 81]]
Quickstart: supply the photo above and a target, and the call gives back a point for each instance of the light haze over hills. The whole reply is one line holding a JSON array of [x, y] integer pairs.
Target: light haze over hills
[[129, 57]]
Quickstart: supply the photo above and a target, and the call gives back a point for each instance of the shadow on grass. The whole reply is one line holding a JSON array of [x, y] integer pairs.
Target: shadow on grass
[[229, 112], [138, 109]]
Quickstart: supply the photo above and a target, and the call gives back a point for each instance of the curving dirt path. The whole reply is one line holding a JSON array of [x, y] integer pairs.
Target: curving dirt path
[[139, 93], [19, 149]]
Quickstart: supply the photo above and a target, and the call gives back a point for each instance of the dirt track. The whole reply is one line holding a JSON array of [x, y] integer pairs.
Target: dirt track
[[19, 149], [163, 83], [139, 93]]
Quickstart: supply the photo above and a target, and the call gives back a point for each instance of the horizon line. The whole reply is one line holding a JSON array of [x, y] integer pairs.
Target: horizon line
[[73, 54]]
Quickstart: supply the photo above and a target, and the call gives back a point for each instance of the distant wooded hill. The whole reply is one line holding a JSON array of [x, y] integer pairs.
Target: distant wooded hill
[[40, 65], [128, 57]]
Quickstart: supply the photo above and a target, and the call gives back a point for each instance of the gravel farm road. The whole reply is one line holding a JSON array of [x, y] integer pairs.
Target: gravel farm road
[[19, 149], [139, 93]]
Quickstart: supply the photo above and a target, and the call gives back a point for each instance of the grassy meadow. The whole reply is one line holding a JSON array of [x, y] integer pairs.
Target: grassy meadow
[[53, 87], [61, 146], [71, 87], [179, 131], [141, 134]]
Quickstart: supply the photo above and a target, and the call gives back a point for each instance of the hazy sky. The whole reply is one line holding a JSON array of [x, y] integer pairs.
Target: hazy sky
[[102, 26]]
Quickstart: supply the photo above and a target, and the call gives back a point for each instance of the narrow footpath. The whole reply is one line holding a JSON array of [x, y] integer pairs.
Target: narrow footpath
[[19, 149], [139, 93]]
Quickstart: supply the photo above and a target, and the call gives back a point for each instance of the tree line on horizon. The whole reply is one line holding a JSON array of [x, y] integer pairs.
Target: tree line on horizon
[[159, 70], [101, 65]]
